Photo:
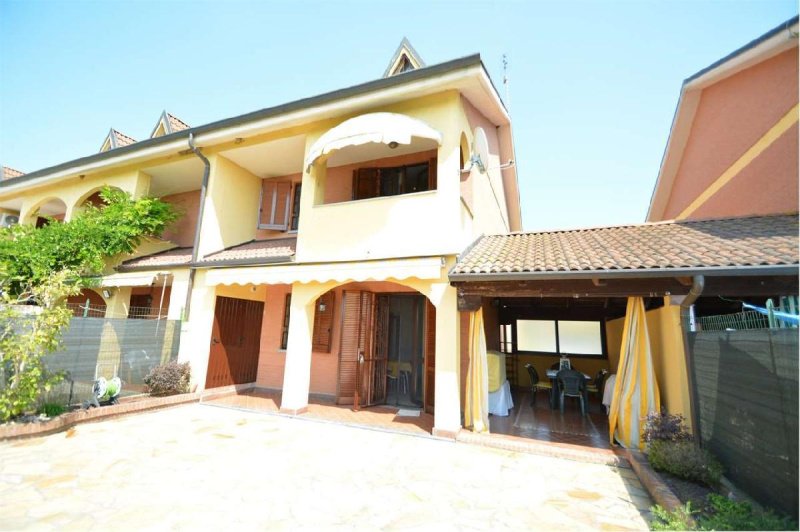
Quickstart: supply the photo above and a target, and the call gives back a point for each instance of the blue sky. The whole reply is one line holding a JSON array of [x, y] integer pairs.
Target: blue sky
[[593, 85]]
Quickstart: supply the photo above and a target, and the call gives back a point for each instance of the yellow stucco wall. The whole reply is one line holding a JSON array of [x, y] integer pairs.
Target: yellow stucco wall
[[666, 344]]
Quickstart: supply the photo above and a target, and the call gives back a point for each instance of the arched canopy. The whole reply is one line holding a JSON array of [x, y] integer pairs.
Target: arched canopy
[[382, 128]]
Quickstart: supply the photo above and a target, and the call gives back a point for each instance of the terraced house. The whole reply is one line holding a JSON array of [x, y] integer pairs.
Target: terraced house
[[313, 252]]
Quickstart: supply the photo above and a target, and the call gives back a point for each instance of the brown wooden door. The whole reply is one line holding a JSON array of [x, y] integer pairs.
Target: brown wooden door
[[354, 340], [235, 341], [430, 354], [373, 364]]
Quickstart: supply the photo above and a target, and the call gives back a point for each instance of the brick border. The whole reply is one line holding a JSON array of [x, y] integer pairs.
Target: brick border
[[659, 491], [132, 405], [567, 451]]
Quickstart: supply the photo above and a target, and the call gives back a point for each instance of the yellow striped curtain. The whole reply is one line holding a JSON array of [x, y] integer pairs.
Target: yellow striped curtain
[[476, 407], [635, 390]]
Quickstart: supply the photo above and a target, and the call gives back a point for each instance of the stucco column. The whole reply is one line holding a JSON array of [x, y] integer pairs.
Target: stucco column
[[177, 296], [117, 305], [447, 404], [297, 371], [196, 333]]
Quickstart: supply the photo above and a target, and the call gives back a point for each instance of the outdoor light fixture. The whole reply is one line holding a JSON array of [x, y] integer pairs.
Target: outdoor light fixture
[[322, 307], [393, 145], [106, 293]]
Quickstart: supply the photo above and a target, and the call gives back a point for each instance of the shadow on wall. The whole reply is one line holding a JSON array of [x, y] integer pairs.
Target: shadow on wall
[[747, 385]]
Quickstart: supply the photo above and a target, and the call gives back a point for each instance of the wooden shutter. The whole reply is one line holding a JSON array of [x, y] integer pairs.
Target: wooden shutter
[[366, 183], [323, 323], [432, 174], [275, 209], [355, 339], [430, 355]]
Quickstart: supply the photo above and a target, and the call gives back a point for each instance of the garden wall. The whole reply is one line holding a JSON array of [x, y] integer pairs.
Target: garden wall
[[747, 389]]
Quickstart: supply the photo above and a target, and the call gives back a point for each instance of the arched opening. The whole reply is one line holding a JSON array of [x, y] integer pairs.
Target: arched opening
[[92, 198], [375, 155], [50, 210], [87, 304]]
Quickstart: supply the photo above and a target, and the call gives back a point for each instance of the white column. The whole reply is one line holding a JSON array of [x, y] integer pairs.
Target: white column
[[447, 403], [297, 371], [196, 333]]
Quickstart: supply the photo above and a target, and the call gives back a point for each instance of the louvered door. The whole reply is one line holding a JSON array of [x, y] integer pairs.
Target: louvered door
[[355, 340], [373, 365]]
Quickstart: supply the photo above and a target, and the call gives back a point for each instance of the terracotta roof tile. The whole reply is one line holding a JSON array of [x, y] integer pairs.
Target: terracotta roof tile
[[255, 250], [169, 258], [9, 172], [730, 242], [122, 139], [176, 124]]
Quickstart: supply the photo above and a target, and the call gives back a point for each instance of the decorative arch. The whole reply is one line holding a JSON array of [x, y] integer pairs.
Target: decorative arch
[[50, 207], [96, 304], [92, 196]]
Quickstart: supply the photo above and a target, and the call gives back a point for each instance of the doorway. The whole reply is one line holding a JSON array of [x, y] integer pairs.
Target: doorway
[[235, 338], [387, 350]]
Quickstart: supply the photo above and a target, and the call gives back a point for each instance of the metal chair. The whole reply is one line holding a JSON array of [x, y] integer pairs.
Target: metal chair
[[536, 384], [571, 383]]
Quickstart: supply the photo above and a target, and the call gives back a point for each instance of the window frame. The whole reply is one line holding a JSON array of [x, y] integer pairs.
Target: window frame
[[432, 184], [287, 306], [294, 214], [603, 344]]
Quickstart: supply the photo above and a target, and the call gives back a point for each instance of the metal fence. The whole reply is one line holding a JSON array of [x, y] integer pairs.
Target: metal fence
[[747, 388], [749, 319], [80, 310], [99, 347]]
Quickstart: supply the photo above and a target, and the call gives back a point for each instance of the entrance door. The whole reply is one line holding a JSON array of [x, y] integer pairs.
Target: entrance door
[[356, 341], [371, 376], [430, 355], [235, 340]]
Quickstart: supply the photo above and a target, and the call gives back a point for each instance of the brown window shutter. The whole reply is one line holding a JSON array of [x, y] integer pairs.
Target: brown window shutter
[[323, 323], [354, 339], [432, 174], [366, 183], [276, 199]]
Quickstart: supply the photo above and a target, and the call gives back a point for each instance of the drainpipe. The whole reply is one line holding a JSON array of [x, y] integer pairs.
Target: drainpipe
[[203, 188], [698, 282]]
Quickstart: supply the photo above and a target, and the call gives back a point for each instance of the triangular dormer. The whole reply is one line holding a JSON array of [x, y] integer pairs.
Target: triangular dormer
[[404, 59], [115, 139], [167, 124]]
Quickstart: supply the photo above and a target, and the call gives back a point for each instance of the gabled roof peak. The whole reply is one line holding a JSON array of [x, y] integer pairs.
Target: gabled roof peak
[[168, 123], [116, 139], [404, 59], [6, 172]]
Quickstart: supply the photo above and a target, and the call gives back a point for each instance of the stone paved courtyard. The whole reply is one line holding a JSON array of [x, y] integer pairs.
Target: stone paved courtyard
[[205, 466]]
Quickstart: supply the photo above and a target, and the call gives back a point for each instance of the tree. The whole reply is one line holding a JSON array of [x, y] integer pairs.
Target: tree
[[29, 255], [27, 334]]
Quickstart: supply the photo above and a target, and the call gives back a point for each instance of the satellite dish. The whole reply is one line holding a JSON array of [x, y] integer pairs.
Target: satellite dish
[[480, 150]]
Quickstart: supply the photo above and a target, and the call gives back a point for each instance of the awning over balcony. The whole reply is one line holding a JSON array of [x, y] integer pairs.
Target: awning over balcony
[[131, 279], [378, 270], [382, 128]]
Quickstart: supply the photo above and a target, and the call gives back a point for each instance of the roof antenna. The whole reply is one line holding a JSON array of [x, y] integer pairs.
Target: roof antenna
[[505, 82]]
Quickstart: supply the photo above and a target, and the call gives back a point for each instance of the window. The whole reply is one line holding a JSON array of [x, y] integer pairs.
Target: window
[[560, 337], [323, 323], [295, 208], [285, 326], [392, 181], [506, 342], [280, 205]]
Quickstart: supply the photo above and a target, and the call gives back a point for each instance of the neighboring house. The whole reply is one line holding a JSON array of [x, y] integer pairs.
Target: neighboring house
[[732, 149], [315, 233]]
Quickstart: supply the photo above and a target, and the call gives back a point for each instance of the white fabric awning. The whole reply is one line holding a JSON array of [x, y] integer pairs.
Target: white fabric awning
[[130, 279], [379, 270], [380, 128]]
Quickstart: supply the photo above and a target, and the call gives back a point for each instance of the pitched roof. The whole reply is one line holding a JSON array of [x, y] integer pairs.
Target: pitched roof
[[163, 259], [404, 59], [255, 252], [115, 139], [170, 124], [9, 172], [686, 245]]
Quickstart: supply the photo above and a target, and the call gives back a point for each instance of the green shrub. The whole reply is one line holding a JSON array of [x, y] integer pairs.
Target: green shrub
[[725, 514], [684, 460], [168, 379], [678, 519], [52, 409], [666, 427]]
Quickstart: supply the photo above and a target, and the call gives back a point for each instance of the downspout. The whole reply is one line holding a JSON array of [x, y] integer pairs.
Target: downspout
[[195, 247], [698, 283]]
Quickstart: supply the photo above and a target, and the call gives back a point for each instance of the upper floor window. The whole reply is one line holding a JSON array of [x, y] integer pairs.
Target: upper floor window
[[280, 205], [392, 181]]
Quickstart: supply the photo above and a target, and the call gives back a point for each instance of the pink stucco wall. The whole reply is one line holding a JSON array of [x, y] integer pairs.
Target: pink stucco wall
[[731, 117]]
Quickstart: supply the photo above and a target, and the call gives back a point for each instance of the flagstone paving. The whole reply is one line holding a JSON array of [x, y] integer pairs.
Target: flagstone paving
[[204, 466]]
